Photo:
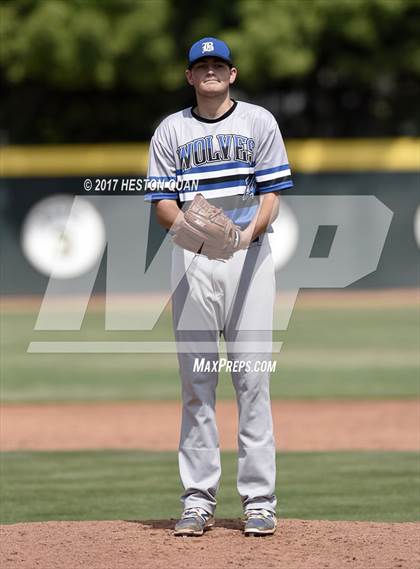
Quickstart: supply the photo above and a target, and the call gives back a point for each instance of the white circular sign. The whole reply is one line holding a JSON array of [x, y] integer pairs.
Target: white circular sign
[[417, 226], [63, 236], [284, 240]]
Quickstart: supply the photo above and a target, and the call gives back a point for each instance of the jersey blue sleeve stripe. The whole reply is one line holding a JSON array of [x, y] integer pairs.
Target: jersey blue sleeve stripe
[[270, 170], [160, 196], [275, 187], [272, 181]]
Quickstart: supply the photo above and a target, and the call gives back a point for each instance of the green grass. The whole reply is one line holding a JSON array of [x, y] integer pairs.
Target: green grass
[[36, 486], [327, 353]]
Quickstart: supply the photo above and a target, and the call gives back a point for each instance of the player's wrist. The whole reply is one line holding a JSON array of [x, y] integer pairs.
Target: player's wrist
[[245, 238]]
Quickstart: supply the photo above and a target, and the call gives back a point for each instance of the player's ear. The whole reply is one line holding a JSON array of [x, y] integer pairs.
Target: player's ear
[[233, 74], [188, 75]]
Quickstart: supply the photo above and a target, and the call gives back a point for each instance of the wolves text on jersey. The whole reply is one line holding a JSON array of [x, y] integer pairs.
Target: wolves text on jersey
[[222, 147]]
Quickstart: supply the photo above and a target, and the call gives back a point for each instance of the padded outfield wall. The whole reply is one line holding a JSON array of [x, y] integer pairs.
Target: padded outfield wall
[[387, 169]]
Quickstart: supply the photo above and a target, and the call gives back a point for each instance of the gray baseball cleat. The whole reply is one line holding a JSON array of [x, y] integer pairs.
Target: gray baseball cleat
[[260, 522], [194, 521]]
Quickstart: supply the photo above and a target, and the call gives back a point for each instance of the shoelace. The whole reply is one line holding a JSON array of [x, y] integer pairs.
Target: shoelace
[[191, 512], [261, 514]]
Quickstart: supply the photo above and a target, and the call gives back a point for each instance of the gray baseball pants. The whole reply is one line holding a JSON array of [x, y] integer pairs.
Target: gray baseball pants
[[236, 299]]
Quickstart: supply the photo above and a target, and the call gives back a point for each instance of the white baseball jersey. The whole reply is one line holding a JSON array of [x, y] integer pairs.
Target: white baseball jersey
[[238, 156]]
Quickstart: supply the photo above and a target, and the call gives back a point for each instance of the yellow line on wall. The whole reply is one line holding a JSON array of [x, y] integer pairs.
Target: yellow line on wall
[[74, 160], [310, 155], [383, 154]]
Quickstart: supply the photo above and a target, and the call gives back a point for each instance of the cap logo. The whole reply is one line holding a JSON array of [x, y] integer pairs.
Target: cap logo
[[207, 46]]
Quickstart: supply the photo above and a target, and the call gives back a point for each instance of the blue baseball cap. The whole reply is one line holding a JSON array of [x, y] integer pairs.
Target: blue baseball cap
[[209, 47]]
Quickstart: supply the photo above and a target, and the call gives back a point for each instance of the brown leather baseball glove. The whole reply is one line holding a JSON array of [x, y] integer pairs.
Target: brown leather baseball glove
[[207, 230]]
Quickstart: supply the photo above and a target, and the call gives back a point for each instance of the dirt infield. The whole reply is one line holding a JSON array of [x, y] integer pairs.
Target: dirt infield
[[151, 545], [299, 425]]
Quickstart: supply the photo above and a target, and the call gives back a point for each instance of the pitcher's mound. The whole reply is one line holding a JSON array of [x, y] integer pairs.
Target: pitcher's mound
[[151, 545]]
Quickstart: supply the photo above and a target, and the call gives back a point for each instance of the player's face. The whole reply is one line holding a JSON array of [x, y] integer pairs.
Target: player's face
[[211, 76]]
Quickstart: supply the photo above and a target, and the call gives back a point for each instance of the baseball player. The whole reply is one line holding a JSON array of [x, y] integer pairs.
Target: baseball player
[[232, 153]]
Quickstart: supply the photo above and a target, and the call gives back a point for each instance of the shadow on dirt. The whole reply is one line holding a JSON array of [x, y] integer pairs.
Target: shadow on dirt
[[231, 524]]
